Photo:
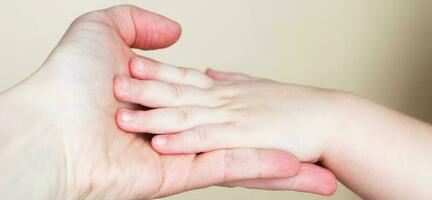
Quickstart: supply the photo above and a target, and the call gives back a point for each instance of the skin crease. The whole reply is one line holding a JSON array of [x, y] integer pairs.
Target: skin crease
[[376, 152], [58, 128]]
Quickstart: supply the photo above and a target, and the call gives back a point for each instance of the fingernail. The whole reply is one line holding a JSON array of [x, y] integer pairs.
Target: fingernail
[[127, 115], [139, 66], [160, 140], [124, 82]]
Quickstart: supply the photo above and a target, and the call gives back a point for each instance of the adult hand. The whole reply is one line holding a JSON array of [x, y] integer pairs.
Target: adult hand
[[59, 138]]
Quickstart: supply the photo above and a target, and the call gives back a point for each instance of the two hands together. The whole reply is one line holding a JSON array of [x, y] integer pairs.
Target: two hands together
[[60, 139], [63, 135]]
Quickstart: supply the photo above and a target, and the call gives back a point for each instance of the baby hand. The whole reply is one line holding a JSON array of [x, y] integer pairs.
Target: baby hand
[[194, 114]]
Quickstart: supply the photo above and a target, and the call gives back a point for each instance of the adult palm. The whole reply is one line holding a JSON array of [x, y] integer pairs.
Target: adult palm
[[70, 109]]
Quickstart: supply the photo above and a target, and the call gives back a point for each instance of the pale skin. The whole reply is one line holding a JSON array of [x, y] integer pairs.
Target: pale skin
[[377, 152], [59, 138]]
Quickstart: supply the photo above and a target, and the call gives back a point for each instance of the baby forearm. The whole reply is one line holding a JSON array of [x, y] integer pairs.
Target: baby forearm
[[379, 153], [375, 151]]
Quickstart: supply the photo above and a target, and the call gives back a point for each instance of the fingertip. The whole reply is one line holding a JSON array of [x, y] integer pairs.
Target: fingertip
[[170, 144], [290, 165], [118, 119], [124, 119], [215, 75], [318, 180], [328, 183], [118, 79], [283, 163], [139, 68], [154, 31], [133, 63], [160, 143], [173, 30], [210, 72], [121, 86]]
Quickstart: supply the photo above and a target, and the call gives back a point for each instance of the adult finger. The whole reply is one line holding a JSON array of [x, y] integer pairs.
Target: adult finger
[[137, 28], [311, 178], [217, 167]]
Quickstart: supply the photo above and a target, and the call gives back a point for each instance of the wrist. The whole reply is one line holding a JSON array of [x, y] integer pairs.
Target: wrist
[[29, 156], [373, 141], [346, 111], [356, 124]]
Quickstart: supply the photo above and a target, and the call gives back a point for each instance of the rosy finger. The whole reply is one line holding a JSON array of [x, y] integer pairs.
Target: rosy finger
[[239, 164], [311, 178]]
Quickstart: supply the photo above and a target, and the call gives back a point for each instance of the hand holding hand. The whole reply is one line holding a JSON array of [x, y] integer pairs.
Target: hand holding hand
[[355, 138], [60, 122]]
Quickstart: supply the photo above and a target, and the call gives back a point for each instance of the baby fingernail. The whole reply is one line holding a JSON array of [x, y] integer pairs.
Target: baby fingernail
[[141, 68], [127, 116], [160, 140]]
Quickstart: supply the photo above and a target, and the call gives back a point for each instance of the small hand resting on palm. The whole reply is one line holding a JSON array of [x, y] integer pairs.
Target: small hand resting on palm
[[207, 114], [353, 137]]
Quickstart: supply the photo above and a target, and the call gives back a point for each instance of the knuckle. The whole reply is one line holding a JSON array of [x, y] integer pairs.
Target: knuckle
[[97, 15], [202, 135], [223, 114], [105, 12], [225, 92], [184, 114], [184, 73], [96, 22], [177, 93]]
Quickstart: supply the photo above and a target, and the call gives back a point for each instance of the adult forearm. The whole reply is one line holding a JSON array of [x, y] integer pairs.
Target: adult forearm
[[381, 154]]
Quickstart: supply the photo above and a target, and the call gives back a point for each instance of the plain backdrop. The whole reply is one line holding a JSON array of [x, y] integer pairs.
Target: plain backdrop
[[378, 49]]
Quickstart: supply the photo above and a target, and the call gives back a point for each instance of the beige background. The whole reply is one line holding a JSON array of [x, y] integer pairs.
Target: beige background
[[379, 49]]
